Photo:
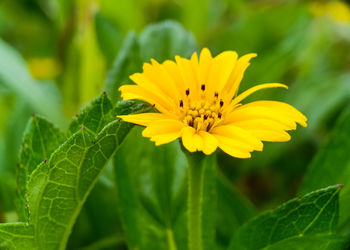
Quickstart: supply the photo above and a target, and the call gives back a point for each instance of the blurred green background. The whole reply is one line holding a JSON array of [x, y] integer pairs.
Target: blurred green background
[[56, 56]]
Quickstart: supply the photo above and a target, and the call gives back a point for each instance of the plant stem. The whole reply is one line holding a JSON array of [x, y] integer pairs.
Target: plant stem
[[195, 199]]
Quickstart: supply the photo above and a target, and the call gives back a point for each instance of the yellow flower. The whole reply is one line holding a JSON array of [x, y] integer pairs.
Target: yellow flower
[[196, 102]]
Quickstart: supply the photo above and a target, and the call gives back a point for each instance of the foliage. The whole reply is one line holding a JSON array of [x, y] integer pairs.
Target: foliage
[[92, 182]]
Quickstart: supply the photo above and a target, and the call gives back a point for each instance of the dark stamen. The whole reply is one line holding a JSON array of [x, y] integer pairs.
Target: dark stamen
[[205, 117], [221, 103], [187, 92], [219, 115], [208, 128], [181, 103], [216, 94], [203, 87]]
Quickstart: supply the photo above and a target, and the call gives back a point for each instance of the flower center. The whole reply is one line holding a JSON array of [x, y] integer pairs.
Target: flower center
[[202, 114]]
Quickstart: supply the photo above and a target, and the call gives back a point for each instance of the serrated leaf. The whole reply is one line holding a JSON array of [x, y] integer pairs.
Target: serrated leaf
[[41, 138], [315, 213], [58, 188], [94, 116], [331, 165]]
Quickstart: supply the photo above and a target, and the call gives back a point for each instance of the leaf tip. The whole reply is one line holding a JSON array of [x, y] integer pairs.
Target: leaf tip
[[340, 186]]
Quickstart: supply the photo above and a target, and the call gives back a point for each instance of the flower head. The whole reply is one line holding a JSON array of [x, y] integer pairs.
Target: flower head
[[196, 102]]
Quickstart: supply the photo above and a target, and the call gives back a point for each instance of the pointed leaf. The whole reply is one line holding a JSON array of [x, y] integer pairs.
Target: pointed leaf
[[331, 165], [94, 116], [41, 138], [316, 212], [58, 188]]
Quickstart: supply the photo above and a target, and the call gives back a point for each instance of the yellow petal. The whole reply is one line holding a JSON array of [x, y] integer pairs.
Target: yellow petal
[[237, 74], [161, 127], [141, 80], [210, 143], [250, 91], [231, 148], [153, 86], [273, 136], [278, 112], [220, 71], [162, 79], [205, 62], [264, 130], [187, 73], [264, 124], [173, 70], [166, 138], [198, 142], [136, 92], [163, 131], [187, 138], [240, 137], [144, 119], [281, 108]]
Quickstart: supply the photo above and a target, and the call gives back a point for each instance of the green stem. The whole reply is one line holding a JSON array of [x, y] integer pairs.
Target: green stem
[[195, 199]]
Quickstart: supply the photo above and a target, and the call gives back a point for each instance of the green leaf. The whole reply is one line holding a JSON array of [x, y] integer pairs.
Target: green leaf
[[40, 140], [58, 187], [17, 236], [152, 193], [310, 242], [93, 117], [99, 219], [331, 165], [159, 41], [232, 210], [108, 36], [126, 63], [162, 41], [315, 213]]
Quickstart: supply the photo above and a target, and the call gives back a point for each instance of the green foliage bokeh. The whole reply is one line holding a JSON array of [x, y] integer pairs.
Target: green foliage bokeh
[[56, 56]]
